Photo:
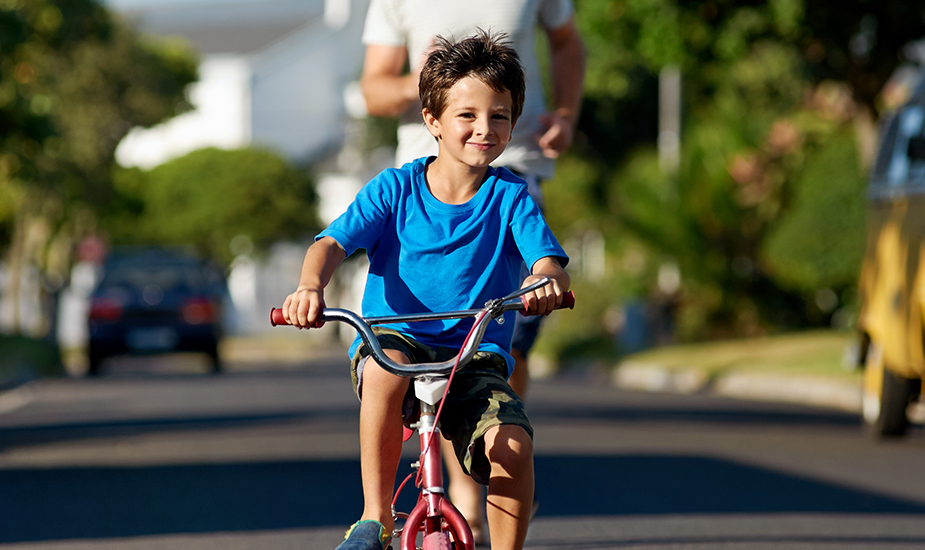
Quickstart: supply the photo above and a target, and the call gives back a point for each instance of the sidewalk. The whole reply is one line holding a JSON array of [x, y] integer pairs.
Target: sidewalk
[[836, 393], [811, 368], [760, 370]]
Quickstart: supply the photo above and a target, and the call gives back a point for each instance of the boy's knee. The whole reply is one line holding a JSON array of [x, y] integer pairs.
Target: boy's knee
[[509, 447], [385, 382]]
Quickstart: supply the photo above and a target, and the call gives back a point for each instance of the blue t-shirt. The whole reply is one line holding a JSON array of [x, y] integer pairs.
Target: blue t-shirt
[[428, 256]]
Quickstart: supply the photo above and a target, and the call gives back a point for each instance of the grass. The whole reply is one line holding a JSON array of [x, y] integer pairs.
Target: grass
[[23, 358], [813, 353]]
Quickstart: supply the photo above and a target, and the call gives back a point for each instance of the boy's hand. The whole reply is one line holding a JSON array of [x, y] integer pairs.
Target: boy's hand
[[303, 308], [548, 297], [543, 300]]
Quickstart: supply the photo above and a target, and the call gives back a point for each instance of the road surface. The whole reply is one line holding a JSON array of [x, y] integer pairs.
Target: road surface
[[158, 455]]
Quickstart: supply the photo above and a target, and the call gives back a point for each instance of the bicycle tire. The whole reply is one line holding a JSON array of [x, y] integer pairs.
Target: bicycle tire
[[455, 524], [438, 540], [452, 522]]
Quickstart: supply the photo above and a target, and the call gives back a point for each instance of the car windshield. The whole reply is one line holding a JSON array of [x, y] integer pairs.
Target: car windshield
[[167, 277]]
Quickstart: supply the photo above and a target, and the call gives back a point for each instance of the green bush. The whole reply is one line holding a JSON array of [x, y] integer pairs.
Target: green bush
[[23, 358], [210, 196], [819, 241]]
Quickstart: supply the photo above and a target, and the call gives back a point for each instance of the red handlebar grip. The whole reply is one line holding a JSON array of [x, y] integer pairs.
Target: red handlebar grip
[[276, 317], [568, 301]]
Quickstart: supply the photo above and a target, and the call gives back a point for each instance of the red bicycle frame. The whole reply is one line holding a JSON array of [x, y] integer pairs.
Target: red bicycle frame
[[442, 525]]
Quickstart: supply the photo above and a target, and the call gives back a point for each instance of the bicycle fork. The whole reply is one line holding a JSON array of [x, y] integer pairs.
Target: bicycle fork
[[434, 515]]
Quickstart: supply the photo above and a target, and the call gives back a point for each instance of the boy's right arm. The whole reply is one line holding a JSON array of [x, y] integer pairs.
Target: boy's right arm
[[303, 307]]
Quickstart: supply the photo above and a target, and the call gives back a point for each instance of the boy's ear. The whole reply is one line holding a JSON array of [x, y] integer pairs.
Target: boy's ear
[[432, 122]]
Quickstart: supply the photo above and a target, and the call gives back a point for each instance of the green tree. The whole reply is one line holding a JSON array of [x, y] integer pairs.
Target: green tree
[[73, 82], [774, 94], [210, 196]]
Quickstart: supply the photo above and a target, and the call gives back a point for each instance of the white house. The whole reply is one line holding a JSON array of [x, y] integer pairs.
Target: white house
[[274, 73], [280, 74]]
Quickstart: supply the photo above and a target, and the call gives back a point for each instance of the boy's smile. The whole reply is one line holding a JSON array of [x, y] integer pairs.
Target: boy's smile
[[475, 126]]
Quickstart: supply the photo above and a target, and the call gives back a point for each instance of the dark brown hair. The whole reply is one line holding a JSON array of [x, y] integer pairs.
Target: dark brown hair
[[486, 56]]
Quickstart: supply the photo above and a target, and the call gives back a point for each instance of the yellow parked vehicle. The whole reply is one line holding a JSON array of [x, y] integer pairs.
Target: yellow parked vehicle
[[892, 280]]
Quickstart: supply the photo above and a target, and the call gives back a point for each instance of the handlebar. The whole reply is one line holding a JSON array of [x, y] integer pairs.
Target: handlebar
[[492, 310]]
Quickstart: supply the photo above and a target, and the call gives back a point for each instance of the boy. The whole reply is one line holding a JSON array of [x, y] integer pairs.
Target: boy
[[445, 233]]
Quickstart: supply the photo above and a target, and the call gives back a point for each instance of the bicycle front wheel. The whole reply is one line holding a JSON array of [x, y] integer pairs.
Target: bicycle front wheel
[[438, 540]]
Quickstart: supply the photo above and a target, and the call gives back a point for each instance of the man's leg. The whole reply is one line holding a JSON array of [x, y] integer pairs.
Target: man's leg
[[467, 495], [521, 375], [510, 489]]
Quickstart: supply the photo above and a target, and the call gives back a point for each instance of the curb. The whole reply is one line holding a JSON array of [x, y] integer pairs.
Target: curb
[[806, 390]]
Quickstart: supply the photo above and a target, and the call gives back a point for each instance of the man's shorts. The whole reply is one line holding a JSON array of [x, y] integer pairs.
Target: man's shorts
[[526, 328], [479, 398]]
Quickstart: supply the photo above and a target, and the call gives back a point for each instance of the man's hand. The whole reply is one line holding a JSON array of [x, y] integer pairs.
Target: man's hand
[[558, 135]]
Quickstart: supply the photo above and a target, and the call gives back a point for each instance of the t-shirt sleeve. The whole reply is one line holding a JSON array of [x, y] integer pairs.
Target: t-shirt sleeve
[[384, 26], [533, 237], [361, 225], [554, 13]]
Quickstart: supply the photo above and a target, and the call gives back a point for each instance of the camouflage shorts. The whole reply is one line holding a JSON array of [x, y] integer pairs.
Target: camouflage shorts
[[479, 398]]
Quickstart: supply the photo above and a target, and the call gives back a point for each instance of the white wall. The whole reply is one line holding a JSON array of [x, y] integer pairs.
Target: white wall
[[288, 97], [298, 84], [221, 117]]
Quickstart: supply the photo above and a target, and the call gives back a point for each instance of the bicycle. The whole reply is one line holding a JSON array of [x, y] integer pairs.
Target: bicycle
[[442, 526]]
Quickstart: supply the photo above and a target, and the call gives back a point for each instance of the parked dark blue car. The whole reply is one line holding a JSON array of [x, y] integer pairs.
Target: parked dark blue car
[[156, 300]]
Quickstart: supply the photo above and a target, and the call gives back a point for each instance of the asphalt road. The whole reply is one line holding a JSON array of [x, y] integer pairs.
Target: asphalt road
[[157, 455]]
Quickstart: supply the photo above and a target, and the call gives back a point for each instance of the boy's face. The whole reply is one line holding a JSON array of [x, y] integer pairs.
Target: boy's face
[[475, 126]]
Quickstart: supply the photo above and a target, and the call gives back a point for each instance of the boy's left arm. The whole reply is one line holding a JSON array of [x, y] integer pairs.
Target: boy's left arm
[[545, 299]]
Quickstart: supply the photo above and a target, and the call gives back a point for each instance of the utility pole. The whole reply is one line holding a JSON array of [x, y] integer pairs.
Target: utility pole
[[669, 119]]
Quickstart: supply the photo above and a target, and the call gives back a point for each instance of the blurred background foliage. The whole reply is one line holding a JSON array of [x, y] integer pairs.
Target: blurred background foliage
[[211, 196], [759, 229], [73, 82]]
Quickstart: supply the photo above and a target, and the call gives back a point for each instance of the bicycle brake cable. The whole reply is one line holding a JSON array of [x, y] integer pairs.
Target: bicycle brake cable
[[446, 391]]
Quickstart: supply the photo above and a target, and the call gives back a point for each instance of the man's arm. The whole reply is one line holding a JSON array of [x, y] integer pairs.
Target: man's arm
[[387, 91], [303, 307], [567, 66], [545, 299]]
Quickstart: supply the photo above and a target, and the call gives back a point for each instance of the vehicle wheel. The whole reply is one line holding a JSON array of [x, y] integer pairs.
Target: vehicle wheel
[[96, 360], [886, 398], [215, 362]]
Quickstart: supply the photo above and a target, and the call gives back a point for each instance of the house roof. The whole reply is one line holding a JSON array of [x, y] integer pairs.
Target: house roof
[[221, 26]]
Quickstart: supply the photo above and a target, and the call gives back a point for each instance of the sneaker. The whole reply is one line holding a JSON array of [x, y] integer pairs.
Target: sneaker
[[366, 535]]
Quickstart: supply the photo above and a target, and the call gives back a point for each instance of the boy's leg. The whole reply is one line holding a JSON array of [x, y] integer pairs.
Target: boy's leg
[[381, 437], [510, 488]]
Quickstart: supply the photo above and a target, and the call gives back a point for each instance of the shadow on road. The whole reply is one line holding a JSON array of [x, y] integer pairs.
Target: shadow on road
[[13, 436], [797, 415], [658, 484], [108, 502]]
